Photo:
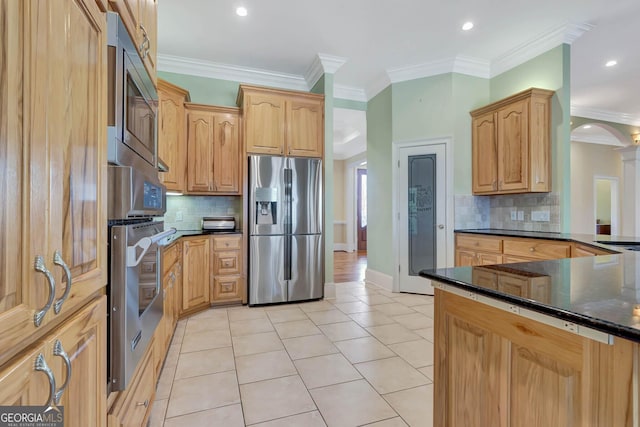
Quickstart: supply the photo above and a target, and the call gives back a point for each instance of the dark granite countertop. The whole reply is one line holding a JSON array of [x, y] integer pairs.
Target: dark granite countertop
[[601, 292], [186, 233]]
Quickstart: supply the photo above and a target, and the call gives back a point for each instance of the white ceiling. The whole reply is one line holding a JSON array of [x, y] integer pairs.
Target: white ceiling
[[373, 42]]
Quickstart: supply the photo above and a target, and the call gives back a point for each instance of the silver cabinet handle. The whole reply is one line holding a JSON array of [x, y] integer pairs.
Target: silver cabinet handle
[[40, 267], [59, 351], [41, 366], [57, 260]]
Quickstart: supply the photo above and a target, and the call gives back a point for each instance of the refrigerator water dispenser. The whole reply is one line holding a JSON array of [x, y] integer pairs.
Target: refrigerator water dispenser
[[266, 205]]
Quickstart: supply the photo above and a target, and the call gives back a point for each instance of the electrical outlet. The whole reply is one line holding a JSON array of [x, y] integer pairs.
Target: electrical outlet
[[178, 216], [520, 215], [542, 216], [514, 216]]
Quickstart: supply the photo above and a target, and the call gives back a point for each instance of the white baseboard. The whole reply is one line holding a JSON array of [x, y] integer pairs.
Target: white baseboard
[[341, 247], [381, 280]]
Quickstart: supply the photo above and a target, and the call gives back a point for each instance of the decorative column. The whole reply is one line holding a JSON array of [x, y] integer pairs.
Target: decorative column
[[630, 191]]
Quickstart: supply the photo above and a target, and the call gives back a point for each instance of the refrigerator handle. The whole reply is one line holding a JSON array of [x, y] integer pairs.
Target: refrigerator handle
[[288, 183], [287, 257]]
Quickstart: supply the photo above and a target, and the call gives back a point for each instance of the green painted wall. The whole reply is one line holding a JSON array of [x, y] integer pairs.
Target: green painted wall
[[349, 104], [325, 86], [204, 90], [550, 70], [379, 194], [468, 93], [422, 108]]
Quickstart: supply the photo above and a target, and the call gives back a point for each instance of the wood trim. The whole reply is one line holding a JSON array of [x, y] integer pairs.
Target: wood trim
[[516, 97], [273, 91], [170, 87], [212, 108]]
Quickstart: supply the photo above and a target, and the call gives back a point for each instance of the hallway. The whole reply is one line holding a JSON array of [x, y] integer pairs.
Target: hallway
[[349, 266]]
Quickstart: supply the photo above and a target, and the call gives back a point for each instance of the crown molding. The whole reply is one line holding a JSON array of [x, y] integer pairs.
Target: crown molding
[[196, 67], [322, 64], [377, 86], [565, 33], [604, 115], [460, 64], [349, 92]]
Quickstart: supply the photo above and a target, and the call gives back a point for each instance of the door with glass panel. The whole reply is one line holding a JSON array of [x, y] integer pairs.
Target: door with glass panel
[[421, 216]]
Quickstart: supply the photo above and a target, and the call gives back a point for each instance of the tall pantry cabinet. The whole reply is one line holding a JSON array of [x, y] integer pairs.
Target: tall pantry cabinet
[[53, 239]]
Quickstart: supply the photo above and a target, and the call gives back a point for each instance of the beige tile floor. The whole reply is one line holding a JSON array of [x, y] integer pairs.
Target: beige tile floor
[[362, 356]]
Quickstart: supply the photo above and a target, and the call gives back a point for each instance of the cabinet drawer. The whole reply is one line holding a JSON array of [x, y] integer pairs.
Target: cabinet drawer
[[485, 278], [538, 249], [227, 243], [483, 243], [225, 263], [136, 407], [226, 288], [170, 255], [580, 250]]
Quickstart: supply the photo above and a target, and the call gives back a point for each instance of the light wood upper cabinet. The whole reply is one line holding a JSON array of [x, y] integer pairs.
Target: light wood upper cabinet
[[511, 144], [196, 271], [280, 122], [55, 196], [213, 150], [264, 116], [485, 170], [140, 19], [305, 135], [172, 144]]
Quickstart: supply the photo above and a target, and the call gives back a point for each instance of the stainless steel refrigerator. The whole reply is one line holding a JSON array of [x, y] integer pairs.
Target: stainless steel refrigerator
[[286, 257]]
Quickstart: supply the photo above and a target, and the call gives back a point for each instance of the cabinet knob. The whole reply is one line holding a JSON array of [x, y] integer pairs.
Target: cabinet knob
[[145, 403], [532, 249]]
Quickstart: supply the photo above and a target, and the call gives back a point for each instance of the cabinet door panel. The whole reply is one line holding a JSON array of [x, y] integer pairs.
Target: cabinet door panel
[[465, 258], [264, 117], [16, 306], [21, 384], [226, 154], [171, 144], [83, 339], [485, 167], [196, 275], [200, 151], [473, 360], [534, 378], [513, 146], [305, 133]]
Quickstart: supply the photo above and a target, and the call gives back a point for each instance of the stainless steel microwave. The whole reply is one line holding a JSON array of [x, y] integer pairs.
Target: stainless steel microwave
[[133, 99]]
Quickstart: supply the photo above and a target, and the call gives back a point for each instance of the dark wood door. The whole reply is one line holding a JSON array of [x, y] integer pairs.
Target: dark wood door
[[362, 209]]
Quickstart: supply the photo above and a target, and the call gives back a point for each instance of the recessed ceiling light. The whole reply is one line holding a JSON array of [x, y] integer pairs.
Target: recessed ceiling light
[[467, 26], [586, 127], [241, 11], [611, 63]]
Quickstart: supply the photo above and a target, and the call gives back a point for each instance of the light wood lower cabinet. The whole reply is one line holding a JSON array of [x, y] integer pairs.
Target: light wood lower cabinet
[[477, 249], [133, 406], [196, 276], [73, 360], [227, 283], [495, 368]]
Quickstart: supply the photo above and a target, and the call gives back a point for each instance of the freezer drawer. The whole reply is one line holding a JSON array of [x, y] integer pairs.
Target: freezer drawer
[[267, 282], [307, 272]]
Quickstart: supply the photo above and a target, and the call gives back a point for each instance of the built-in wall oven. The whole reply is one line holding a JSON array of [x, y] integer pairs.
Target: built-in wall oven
[[136, 201]]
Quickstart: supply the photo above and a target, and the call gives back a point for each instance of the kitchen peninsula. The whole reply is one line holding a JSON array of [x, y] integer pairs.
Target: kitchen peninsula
[[538, 343]]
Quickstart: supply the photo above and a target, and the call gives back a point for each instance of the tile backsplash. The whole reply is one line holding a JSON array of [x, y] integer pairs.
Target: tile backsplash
[[193, 208], [496, 212]]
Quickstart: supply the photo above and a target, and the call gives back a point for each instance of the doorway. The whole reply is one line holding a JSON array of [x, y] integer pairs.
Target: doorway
[[605, 190], [421, 202], [362, 210]]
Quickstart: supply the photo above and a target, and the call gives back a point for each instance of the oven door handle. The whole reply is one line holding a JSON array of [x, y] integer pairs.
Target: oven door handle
[[143, 245]]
